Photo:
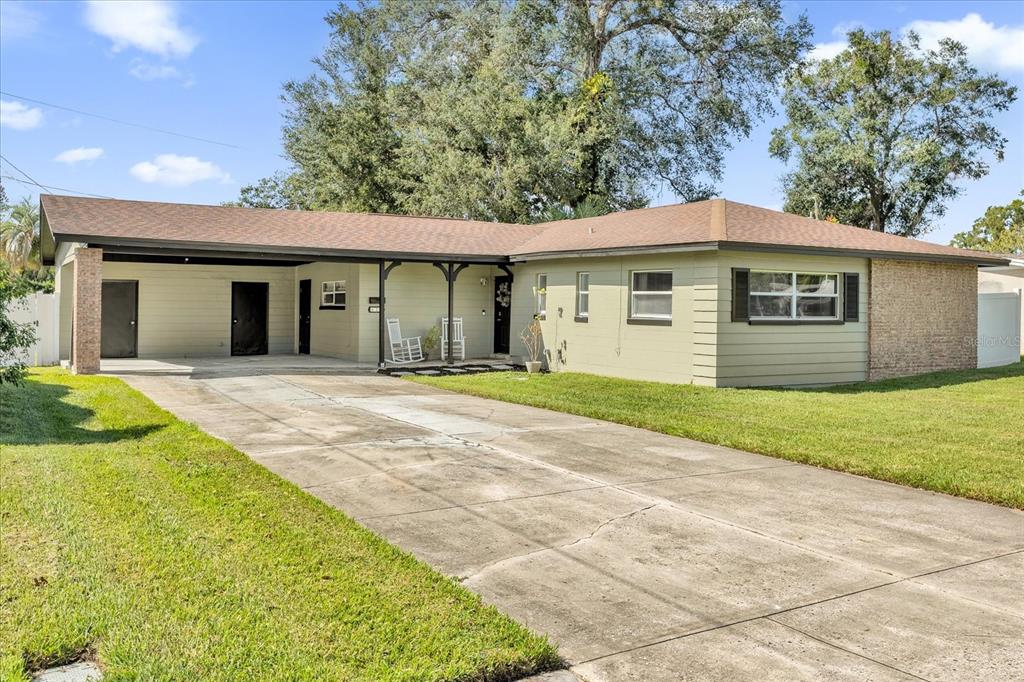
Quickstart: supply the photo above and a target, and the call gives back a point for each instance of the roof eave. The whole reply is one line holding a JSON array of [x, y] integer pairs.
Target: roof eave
[[157, 246], [979, 259]]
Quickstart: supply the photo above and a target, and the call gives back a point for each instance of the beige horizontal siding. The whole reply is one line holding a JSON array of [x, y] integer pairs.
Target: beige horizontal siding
[[758, 355], [606, 344], [333, 333], [185, 310]]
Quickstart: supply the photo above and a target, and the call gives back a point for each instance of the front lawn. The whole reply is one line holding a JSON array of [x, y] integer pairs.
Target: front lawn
[[953, 432], [138, 540]]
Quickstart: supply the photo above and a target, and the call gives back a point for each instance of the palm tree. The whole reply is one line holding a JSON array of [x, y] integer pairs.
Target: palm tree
[[591, 207], [19, 236]]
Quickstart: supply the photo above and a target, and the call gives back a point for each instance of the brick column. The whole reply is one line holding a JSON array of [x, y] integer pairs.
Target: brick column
[[86, 311]]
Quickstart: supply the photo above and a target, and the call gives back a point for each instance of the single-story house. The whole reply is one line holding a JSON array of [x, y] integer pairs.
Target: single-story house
[[714, 292]]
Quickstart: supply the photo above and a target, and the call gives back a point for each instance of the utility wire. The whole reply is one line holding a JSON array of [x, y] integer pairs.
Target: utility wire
[[33, 181], [58, 189], [119, 121]]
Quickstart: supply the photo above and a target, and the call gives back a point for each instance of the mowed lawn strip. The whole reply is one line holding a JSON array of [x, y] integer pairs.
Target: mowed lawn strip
[[952, 432], [137, 539]]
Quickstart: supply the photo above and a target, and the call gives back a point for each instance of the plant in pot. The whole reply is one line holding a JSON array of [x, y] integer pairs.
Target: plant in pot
[[431, 340], [531, 337]]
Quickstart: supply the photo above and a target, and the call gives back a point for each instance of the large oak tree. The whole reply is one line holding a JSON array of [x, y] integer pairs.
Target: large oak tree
[[508, 110]]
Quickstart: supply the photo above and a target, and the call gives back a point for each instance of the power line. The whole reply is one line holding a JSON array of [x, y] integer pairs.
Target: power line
[[58, 189], [29, 180], [119, 121]]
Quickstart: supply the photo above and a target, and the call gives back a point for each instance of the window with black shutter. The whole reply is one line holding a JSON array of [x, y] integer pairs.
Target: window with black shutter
[[740, 294], [851, 297]]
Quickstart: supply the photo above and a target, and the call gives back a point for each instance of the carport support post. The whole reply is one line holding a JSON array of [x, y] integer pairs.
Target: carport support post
[[381, 277]]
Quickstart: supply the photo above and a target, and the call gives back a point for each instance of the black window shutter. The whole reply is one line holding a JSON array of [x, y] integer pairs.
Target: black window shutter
[[740, 294], [851, 297]]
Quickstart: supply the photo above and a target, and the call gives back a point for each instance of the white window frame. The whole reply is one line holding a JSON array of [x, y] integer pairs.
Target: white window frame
[[332, 288], [541, 295], [795, 294], [633, 292], [581, 293]]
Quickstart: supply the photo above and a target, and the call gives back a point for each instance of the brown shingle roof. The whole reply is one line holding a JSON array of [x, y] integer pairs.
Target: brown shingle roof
[[724, 222], [714, 222], [269, 228]]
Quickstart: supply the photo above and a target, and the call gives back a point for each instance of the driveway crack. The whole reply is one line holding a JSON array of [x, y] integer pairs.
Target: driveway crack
[[584, 538]]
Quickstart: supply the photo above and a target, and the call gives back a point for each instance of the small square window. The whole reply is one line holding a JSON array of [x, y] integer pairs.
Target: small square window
[[332, 294], [651, 295]]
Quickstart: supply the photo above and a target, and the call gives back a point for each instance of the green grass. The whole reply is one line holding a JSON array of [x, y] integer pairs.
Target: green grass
[[953, 432], [138, 540]]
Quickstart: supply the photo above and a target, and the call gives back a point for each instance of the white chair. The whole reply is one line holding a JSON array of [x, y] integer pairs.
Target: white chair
[[403, 350], [458, 339]]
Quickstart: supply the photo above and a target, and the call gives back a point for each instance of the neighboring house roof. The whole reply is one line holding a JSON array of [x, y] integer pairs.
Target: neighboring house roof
[[715, 223]]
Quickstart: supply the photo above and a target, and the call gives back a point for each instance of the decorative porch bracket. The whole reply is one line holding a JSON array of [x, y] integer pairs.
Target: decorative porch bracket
[[508, 271]]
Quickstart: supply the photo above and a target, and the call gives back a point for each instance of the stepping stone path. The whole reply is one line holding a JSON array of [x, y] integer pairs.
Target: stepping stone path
[[83, 671], [506, 367], [428, 372]]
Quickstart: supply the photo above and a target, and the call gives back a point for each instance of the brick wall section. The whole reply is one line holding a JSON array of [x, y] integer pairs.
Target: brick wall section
[[922, 317], [86, 311]]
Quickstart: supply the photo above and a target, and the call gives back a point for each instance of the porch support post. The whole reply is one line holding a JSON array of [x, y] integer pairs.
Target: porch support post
[[451, 311], [381, 277], [86, 311]]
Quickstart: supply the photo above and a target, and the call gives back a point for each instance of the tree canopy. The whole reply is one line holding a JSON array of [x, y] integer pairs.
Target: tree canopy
[[1000, 230], [883, 133], [508, 110]]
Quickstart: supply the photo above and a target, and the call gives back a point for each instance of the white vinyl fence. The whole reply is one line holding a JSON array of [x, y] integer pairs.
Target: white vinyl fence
[[999, 341], [43, 310]]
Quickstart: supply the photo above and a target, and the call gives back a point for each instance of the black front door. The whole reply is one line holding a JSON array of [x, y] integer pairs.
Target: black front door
[[249, 318], [119, 310], [502, 312], [305, 290]]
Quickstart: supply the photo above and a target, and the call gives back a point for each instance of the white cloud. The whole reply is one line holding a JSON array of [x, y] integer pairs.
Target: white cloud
[[827, 50], [77, 154], [19, 116], [999, 47], [148, 25], [17, 20], [177, 171], [145, 71]]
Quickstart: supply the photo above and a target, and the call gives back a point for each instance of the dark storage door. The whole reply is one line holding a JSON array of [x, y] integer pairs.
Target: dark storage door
[[305, 290], [119, 308], [502, 312], [249, 318]]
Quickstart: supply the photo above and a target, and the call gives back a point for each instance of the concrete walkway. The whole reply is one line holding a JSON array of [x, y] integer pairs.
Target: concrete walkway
[[643, 556]]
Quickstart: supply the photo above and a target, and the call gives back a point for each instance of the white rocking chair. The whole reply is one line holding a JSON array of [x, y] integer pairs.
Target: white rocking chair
[[458, 339], [403, 349]]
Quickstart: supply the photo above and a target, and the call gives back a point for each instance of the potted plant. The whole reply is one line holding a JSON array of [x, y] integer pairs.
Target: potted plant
[[531, 337], [431, 340]]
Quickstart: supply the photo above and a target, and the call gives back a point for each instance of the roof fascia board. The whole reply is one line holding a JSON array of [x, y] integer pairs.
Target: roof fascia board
[[616, 251], [863, 253], [183, 248]]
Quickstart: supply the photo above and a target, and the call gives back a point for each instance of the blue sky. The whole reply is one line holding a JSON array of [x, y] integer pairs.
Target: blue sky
[[214, 70]]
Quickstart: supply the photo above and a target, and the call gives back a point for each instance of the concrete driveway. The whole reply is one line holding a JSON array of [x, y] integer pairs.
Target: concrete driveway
[[643, 556]]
